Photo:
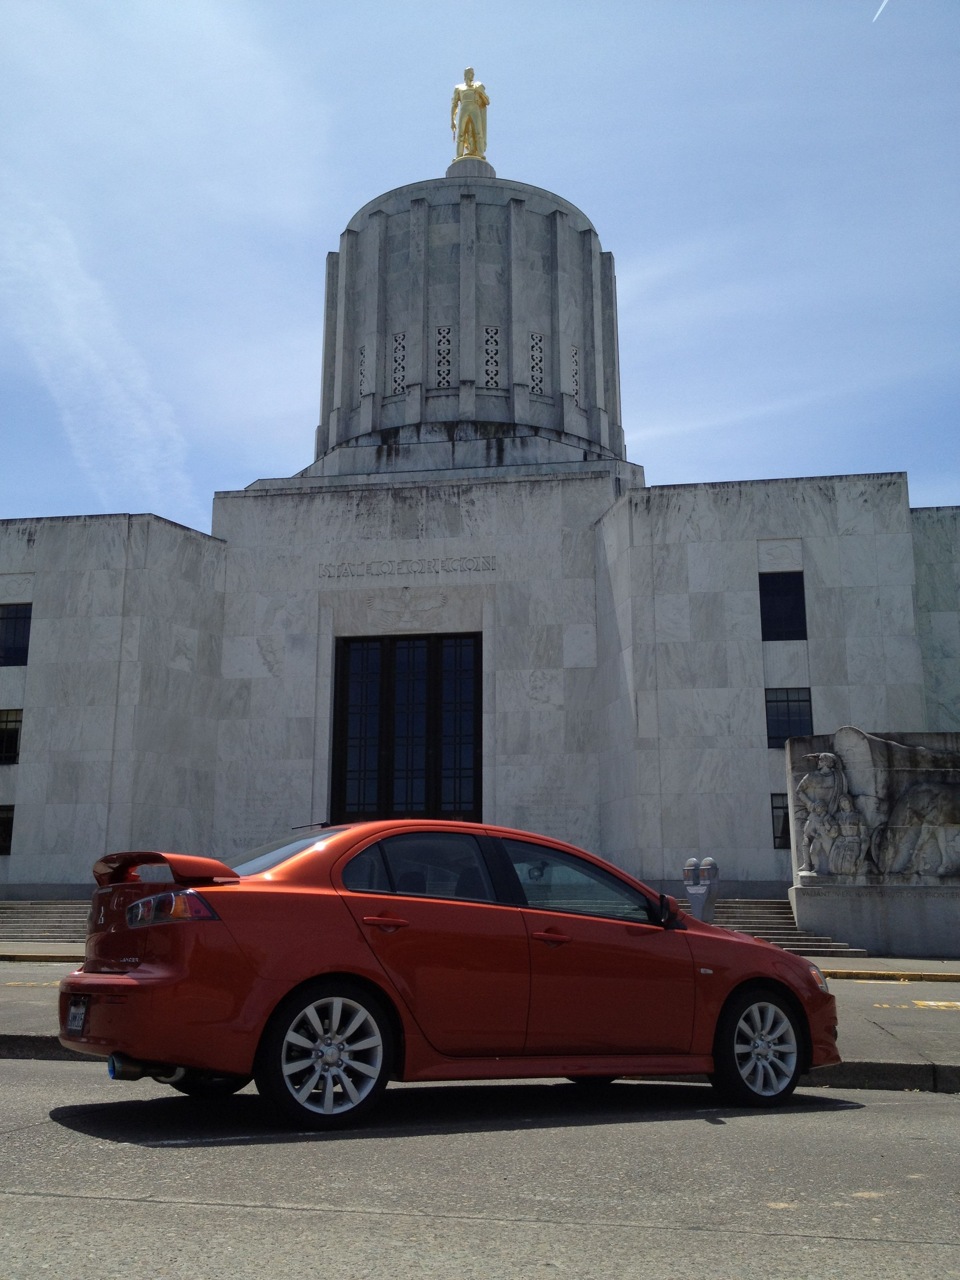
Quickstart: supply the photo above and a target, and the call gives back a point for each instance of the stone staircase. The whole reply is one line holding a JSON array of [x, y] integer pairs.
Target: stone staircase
[[43, 921], [772, 919]]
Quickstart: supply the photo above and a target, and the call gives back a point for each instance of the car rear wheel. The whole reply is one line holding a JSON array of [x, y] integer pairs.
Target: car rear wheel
[[757, 1054], [325, 1056], [206, 1084]]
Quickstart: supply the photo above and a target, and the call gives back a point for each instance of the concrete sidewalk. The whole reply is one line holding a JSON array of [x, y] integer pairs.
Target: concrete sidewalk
[[899, 1019]]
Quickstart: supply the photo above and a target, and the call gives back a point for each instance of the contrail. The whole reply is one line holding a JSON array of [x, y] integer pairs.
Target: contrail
[[880, 10]]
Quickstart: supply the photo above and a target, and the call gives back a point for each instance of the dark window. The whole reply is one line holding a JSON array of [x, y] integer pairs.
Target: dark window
[[14, 634], [406, 731], [783, 609], [555, 881], [781, 820], [6, 830], [436, 864], [10, 722], [788, 715]]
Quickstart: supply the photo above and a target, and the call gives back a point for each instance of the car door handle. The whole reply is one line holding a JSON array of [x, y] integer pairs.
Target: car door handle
[[552, 938], [387, 922]]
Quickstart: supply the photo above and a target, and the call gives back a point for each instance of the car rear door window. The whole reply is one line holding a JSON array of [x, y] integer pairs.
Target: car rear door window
[[438, 864]]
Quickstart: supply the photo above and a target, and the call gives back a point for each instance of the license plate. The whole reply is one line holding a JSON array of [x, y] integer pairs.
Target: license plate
[[77, 1013]]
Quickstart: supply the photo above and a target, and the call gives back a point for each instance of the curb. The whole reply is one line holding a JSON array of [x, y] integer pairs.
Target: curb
[[919, 1077], [889, 975], [43, 957]]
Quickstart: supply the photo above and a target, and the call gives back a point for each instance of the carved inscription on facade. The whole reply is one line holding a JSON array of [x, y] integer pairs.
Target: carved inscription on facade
[[428, 565]]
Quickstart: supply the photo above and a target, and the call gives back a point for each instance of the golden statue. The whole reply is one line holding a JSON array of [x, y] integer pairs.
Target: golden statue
[[470, 127]]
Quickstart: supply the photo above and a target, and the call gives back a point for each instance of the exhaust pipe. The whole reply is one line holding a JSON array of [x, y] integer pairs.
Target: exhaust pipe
[[120, 1067]]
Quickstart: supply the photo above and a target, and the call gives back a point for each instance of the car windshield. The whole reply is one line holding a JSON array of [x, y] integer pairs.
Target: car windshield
[[268, 856]]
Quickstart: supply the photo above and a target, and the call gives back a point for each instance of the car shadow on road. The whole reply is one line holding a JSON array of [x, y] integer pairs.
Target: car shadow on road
[[422, 1110]]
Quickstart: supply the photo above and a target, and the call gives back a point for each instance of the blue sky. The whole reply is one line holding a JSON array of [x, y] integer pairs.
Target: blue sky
[[778, 181]]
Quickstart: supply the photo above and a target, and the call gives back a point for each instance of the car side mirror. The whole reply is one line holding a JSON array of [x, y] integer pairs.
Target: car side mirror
[[669, 909]]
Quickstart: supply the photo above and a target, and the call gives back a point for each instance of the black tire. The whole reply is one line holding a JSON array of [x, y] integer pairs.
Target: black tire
[[326, 1055], [758, 1049], [207, 1084]]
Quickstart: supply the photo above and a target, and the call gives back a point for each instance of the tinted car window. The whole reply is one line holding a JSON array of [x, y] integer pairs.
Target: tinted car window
[[437, 864], [271, 855], [367, 873], [556, 881]]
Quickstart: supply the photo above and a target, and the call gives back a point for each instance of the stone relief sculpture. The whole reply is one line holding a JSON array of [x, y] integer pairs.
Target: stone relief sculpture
[[469, 124], [819, 832], [922, 836], [875, 810]]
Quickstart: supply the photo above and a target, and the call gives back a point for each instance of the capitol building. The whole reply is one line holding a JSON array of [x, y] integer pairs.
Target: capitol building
[[468, 604]]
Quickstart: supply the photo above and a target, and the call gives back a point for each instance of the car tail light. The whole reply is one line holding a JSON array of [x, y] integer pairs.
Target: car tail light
[[168, 908]]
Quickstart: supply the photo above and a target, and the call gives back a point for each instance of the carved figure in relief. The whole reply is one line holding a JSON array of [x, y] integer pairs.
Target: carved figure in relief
[[825, 783], [922, 835], [850, 848], [469, 126], [819, 832]]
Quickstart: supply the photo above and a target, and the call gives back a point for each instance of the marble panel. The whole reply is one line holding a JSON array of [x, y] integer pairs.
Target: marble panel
[[647, 713], [827, 663], [896, 610], [856, 502], [252, 657], [940, 636], [868, 708], [861, 611], [821, 562], [779, 555], [579, 645], [901, 660], [786, 664], [15, 588], [895, 563], [672, 616], [732, 563], [692, 666], [744, 663], [707, 615], [643, 666], [679, 825], [75, 782], [832, 706], [13, 683], [670, 571], [825, 612], [906, 708], [858, 561], [530, 647]]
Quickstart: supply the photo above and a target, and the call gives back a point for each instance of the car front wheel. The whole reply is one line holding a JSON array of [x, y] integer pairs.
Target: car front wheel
[[757, 1056], [325, 1056]]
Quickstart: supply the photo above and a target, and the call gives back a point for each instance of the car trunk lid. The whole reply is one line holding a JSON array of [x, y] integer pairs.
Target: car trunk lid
[[112, 946]]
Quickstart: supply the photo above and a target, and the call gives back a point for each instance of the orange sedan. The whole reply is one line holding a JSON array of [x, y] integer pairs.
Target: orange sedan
[[325, 965]]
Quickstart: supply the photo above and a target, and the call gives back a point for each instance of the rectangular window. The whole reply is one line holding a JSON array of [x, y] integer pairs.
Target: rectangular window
[[14, 634], [406, 728], [783, 609], [10, 722], [781, 820], [789, 715], [6, 830]]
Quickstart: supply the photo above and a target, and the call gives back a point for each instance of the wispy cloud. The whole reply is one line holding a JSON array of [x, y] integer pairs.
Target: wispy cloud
[[117, 425]]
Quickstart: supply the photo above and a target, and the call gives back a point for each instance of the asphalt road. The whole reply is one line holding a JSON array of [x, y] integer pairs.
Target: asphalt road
[[474, 1182]]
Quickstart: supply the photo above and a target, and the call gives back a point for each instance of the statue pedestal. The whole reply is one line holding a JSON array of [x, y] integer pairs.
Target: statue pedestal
[[471, 167], [915, 920]]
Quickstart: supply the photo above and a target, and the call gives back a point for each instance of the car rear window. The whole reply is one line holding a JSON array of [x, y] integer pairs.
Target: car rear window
[[268, 856]]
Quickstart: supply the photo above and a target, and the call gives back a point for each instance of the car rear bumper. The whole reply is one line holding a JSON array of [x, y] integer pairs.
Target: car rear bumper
[[153, 1015]]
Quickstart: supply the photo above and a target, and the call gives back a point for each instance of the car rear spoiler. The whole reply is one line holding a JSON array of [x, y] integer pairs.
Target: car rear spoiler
[[121, 868]]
